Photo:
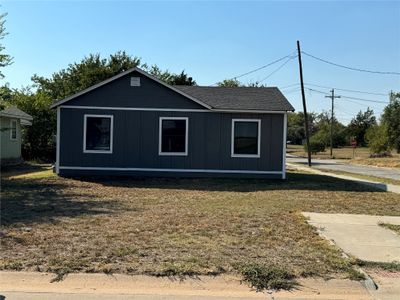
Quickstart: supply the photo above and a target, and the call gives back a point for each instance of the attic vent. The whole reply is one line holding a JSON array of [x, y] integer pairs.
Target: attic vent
[[135, 81]]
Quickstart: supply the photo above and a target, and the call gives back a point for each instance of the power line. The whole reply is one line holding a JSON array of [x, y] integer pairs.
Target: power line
[[347, 90], [314, 90], [366, 100], [290, 85], [259, 68], [348, 97], [336, 88], [363, 105], [350, 68], [277, 69]]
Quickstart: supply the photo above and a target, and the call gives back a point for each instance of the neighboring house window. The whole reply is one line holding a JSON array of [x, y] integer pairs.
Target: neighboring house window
[[173, 136], [98, 134], [13, 130], [246, 135]]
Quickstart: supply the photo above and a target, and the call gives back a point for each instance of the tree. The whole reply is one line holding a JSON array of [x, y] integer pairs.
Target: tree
[[181, 79], [295, 130], [359, 125], [377, 138], [5, 59], [38, 139], [391, 118], [230, 83], [322, 130], [79, 76]]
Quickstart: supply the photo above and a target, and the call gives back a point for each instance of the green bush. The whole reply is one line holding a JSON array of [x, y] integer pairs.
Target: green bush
[[377, 138], [316, 145], [263, 277]]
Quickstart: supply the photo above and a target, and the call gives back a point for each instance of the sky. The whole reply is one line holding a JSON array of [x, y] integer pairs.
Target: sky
[[216, 40]]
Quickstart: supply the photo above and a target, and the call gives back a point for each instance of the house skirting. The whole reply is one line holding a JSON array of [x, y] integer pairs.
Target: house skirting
[[154, 172]]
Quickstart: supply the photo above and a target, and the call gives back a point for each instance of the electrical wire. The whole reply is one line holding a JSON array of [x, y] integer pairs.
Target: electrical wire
[[347, 90], [366, 100], [258, 69], [350, 68], [277, 69]]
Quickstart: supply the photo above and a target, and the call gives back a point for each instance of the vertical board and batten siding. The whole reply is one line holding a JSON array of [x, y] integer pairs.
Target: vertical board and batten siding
[[136, 141], [136, 132]]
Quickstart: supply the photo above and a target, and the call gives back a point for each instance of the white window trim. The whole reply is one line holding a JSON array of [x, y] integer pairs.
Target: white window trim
[[233, 139], [111, 133], [160, 137], [11, 130]]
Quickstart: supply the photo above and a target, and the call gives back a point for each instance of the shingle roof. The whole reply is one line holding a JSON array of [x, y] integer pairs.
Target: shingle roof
[[239, 98], [14, 112]]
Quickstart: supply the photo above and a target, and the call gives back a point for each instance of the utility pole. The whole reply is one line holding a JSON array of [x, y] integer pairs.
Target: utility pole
[[332, 96], [304, 105]]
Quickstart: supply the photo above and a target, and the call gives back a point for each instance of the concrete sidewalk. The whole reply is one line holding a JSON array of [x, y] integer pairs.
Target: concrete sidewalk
[[360, 235], [32, 285]]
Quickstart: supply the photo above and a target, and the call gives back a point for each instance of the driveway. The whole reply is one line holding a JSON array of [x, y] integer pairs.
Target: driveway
[[337, 165]]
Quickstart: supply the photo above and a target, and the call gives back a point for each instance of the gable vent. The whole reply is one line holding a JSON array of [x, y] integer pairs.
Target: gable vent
[[135, 81]]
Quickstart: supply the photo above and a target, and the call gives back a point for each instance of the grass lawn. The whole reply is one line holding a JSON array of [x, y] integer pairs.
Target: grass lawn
[[176, 226], [361, 157]]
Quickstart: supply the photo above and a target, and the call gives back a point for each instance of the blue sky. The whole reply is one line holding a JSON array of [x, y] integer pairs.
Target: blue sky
[[217, 40]]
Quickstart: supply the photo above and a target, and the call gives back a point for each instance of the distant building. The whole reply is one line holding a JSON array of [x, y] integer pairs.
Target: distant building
[[11, 120]]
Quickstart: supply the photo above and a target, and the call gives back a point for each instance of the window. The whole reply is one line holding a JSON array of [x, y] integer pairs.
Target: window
[[173, 139], [98, 134], [246, 137], [13, 130]]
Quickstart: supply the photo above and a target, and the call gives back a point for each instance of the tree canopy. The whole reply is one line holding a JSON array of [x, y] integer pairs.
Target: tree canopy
[[360, 124], [5, 59], [391, 119]]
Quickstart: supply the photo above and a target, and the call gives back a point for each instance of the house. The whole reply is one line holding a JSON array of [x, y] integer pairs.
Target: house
[[135, 124], [11, 120]]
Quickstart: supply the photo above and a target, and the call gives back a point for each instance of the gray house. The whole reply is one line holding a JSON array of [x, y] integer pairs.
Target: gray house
[[135, 124]]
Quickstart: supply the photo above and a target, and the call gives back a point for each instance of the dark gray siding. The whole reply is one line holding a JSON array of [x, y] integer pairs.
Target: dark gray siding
[[119, 93], [136, 138]]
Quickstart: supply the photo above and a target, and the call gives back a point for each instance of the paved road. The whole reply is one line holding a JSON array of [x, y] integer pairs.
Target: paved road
[[37, 286], [336, 165]]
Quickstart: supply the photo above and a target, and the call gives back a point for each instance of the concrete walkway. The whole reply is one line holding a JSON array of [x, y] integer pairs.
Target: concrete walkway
[[360, 235], [32, 286], [337, 165]]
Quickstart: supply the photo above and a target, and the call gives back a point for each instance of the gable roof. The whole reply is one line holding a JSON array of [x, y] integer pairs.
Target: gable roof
[[135, 69], [213, 98], [240, 98], [15, 112]]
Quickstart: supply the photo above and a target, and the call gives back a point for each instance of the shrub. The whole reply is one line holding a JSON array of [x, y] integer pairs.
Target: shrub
[[268, 277], [316, 145], [377, 139]]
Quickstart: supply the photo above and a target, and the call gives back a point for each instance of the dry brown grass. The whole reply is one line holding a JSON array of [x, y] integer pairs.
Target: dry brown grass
[[176, 226], [361, 156]]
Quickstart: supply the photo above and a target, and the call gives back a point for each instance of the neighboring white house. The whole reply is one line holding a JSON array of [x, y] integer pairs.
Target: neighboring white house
[[11, 120]]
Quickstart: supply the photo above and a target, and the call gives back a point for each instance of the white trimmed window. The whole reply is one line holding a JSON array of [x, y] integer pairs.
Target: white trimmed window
[[173, 136], [246, 138], [13, 130], [98, 133]]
